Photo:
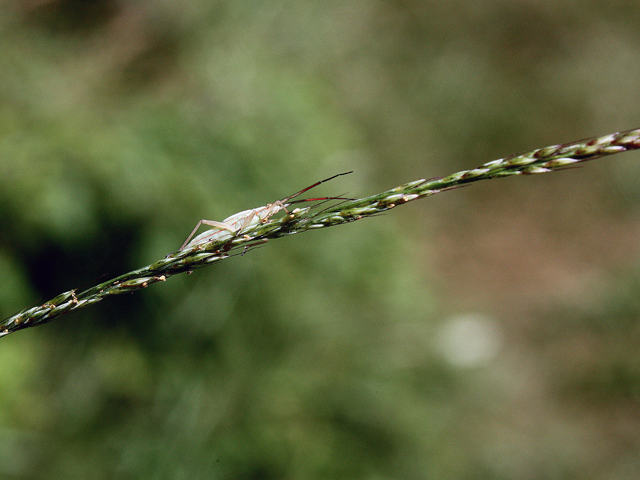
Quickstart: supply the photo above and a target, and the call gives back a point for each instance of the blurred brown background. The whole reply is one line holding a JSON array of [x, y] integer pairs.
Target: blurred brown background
[[489, 332]]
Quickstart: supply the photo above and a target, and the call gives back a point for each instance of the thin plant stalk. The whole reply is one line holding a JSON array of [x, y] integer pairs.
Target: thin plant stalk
[[542, 160]]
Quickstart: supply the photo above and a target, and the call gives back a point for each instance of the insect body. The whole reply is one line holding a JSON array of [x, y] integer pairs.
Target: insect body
[[233, 225], [236, 223]]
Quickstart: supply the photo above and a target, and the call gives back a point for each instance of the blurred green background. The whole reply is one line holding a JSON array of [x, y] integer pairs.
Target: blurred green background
[[489, 332]]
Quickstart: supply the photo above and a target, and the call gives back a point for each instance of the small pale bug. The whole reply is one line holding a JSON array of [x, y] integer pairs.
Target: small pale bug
[[236, 223]]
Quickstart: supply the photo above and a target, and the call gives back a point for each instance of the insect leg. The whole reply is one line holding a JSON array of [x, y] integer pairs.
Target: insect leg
[[213, 223]]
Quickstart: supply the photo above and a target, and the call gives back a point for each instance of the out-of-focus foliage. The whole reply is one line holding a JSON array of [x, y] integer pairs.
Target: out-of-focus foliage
[[489, 332]]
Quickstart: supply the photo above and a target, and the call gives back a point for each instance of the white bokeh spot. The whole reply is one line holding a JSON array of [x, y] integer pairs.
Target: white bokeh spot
[[469, 340]]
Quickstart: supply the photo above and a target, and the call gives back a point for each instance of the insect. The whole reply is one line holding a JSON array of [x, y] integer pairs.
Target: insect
[[236, 223]]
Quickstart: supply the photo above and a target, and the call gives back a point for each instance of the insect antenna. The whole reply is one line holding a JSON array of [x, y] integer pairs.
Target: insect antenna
[[344, 200], [320, 199], [286, 199]]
